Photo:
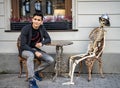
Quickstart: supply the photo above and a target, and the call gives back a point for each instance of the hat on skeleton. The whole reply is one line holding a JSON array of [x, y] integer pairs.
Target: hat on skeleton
[[105, 17]]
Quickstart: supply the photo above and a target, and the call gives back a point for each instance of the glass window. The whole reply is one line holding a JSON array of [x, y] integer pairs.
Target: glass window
[[56, 13]]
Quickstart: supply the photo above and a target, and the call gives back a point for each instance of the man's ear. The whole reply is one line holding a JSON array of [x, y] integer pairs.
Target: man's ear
[[99, 19], [32, 19], [42, 23]]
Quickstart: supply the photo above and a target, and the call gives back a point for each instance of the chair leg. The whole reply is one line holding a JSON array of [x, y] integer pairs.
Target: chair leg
[[21, 67], [100, 68], [26, 70], [23, 63], [89, 64], [80, 69], [89, 73]]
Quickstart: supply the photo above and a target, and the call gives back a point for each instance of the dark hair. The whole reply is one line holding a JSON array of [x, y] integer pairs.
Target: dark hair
[[38, 14]]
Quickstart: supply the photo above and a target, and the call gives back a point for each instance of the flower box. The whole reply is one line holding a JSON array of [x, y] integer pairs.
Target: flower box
[[48, 25], [18, 25], [57, 25]]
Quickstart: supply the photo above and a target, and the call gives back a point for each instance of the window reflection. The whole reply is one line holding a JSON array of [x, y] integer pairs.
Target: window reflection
[[53, 10]]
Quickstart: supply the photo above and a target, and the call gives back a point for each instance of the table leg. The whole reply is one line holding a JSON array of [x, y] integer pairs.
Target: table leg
[[59, 55]]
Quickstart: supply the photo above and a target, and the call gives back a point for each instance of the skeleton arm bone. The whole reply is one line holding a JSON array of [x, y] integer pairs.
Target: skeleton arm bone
[[87, 54], [81, 55], [83, 58], [102, 48]]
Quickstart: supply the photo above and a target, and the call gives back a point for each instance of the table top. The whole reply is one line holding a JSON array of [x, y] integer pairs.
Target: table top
[[60, 43]]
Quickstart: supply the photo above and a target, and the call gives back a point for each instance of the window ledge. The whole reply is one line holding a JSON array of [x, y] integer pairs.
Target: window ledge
[[68, 30]]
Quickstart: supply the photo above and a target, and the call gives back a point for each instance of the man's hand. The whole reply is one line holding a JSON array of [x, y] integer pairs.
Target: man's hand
[[38, 54], [38, 45]]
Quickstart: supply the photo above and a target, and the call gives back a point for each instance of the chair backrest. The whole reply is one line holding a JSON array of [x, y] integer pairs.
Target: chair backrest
[[97, 44], [100, 47], [18, 43]]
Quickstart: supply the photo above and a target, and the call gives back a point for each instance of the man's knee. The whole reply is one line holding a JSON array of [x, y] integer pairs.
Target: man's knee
[[28, 55], [51, 60]]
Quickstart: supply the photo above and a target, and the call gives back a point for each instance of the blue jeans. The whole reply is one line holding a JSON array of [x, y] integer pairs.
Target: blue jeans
[[47, 61]]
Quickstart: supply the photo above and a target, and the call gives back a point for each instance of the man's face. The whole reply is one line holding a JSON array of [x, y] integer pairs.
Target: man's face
[[37, 21]]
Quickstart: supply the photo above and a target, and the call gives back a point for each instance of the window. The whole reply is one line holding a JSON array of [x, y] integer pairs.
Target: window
[[56, 12]]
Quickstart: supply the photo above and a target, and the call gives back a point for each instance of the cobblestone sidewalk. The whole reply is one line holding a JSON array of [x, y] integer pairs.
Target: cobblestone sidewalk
[[110, 81]]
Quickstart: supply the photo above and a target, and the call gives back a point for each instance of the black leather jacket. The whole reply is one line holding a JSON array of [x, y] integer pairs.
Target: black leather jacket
[[26, 35]]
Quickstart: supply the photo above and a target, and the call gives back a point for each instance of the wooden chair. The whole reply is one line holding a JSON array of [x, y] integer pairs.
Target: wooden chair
[[94, 53], [98, 57], [23, 63]]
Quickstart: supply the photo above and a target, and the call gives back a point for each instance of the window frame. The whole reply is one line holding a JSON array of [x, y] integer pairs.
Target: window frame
[[72, 29]]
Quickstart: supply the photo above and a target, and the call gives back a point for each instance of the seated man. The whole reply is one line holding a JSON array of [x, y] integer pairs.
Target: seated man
[[95, 48], [33, 37]]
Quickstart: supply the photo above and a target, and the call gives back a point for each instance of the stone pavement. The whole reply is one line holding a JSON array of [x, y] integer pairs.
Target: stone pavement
[[110, 81]]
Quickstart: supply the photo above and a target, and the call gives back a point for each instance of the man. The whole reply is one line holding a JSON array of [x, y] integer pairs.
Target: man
[[33, 37]]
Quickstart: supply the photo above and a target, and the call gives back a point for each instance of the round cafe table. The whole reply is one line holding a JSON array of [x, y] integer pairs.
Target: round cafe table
[[59, 55]]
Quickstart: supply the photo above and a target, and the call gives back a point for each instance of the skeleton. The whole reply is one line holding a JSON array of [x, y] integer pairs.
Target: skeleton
[[94, 52]]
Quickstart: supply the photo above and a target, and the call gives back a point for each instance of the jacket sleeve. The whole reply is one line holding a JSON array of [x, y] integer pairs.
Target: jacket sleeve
[[46, 37]]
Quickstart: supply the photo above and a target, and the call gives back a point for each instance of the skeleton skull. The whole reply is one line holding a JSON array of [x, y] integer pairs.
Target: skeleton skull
[[104, 20]]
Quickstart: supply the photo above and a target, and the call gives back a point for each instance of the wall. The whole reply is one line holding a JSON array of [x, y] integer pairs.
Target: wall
[[85, 18], [88, 12]]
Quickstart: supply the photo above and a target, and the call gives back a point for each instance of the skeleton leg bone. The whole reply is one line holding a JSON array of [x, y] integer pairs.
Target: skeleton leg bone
[[70, 66], [71, 60], [73, 68]]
